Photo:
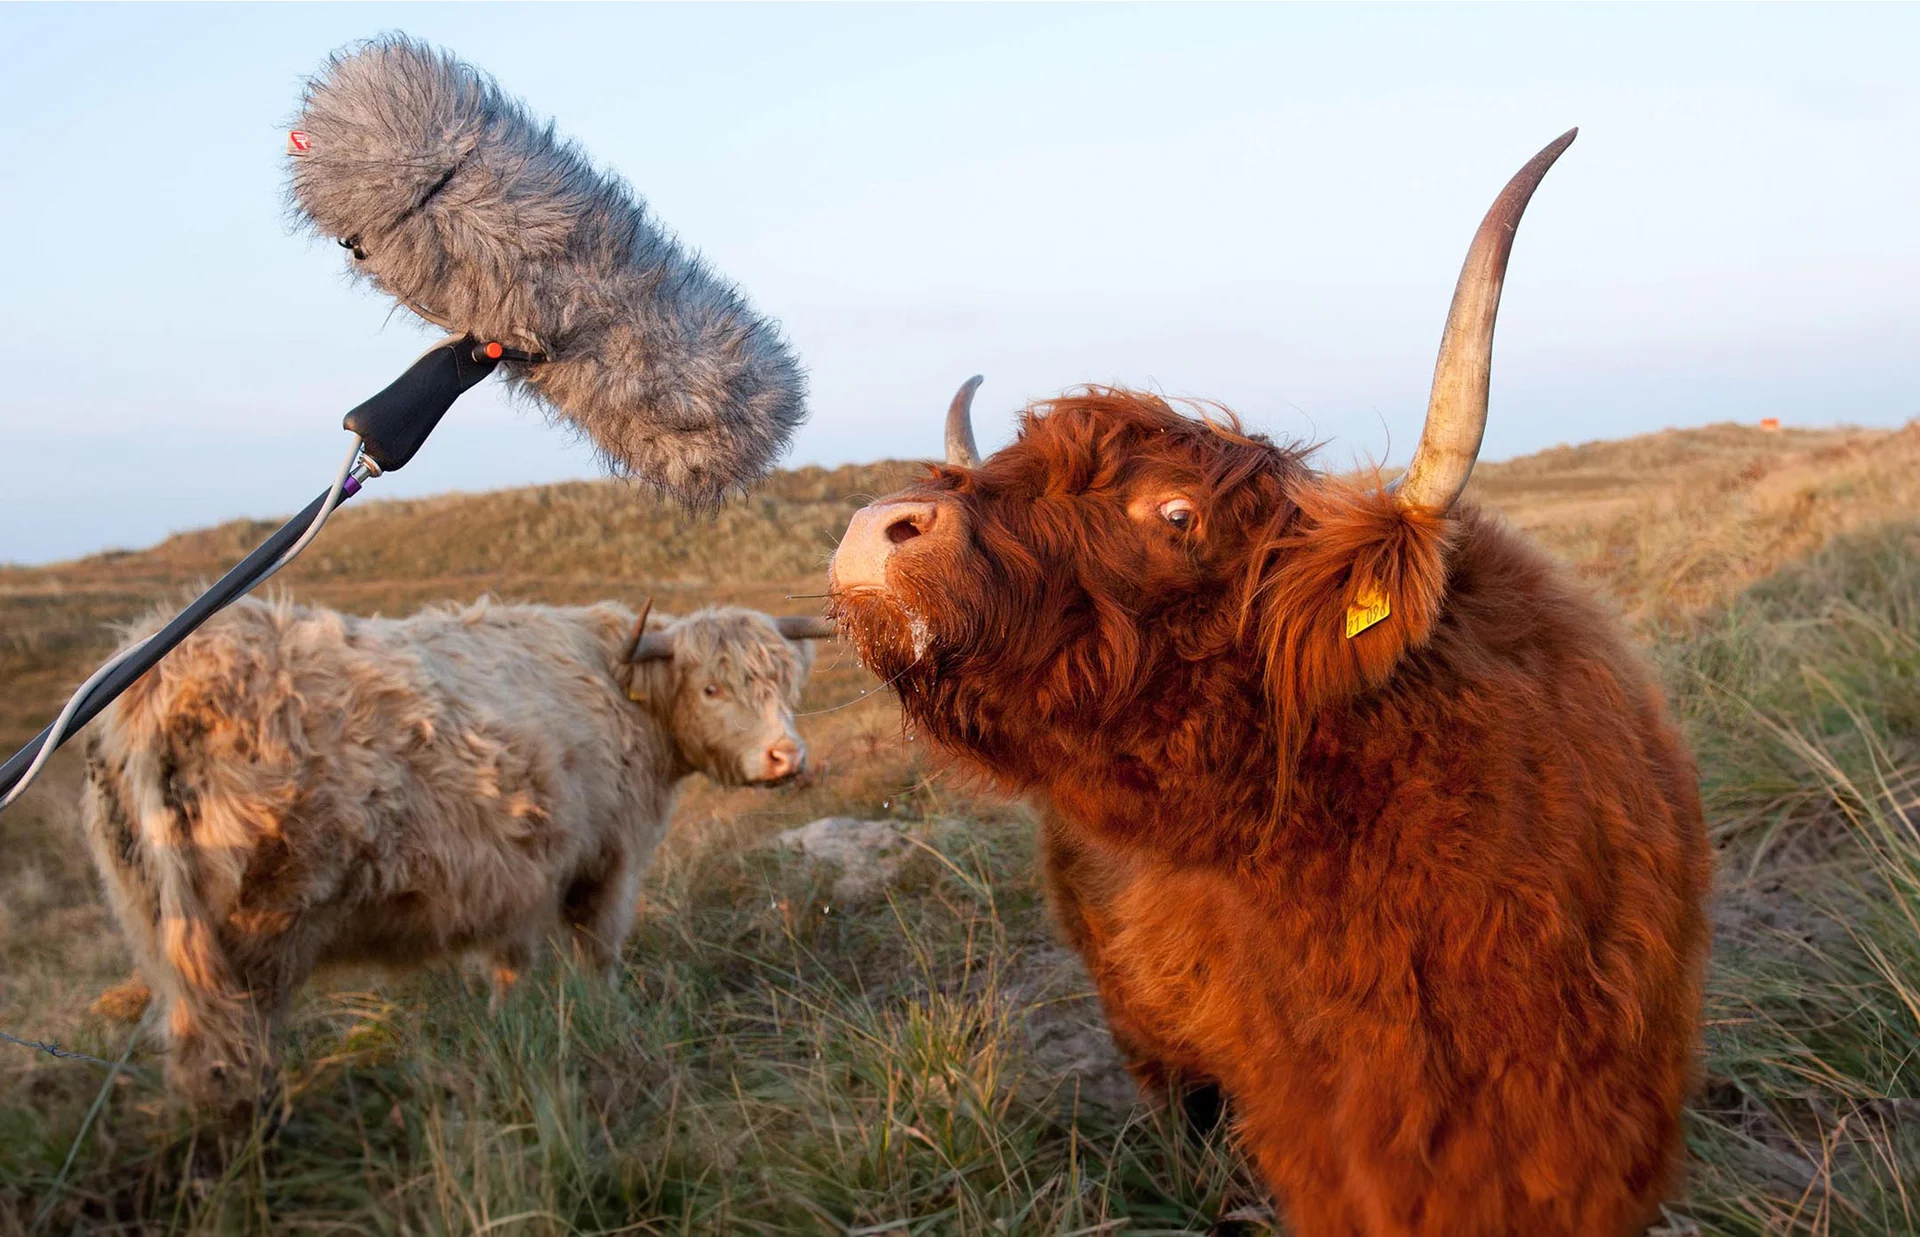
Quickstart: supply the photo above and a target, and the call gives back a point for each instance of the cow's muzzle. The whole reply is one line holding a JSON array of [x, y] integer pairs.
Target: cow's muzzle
[[782, 762], [877, 533]]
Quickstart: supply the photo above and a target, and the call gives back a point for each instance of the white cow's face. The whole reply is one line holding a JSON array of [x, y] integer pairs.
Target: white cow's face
[[730, 688]]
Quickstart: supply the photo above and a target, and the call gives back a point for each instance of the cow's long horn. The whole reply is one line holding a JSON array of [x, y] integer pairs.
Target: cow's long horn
[[961, 451], [1457, 409], [805, 627]]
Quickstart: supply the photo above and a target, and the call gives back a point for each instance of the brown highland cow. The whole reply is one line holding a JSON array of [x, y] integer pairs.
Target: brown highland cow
[[1358, 807]]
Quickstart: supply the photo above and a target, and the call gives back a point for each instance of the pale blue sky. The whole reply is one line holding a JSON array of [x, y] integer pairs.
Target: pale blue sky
[[1262, 205]]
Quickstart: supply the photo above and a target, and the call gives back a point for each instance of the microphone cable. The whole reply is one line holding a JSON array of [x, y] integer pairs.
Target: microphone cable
[[387, 430], [57, 733]]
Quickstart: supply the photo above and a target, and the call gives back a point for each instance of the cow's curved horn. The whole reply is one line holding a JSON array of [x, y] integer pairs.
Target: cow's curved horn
[[639, 633], [1457, 409], [653, 646], [648, 645], [961, 451], [805, 627]]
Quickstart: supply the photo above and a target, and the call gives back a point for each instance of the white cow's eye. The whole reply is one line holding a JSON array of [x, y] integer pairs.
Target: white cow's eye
[[1177, 512]]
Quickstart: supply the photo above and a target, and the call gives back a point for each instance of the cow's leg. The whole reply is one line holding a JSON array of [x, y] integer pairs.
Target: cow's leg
[[599, 907], [272, 952], [1313, 1198], [1082, 884]]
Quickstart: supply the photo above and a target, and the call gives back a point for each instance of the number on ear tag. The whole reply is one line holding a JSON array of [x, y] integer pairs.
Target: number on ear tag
[[1369, 607]]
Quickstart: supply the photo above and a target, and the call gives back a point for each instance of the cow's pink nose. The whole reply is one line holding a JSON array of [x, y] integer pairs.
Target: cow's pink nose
[[872, 536], [785, 759]]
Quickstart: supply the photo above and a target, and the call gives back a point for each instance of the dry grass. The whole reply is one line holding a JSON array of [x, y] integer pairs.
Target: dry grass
[[1670, 523], [932, 1063]]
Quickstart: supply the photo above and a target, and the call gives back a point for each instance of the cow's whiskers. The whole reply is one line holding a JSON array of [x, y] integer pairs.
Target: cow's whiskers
[[862, 696]]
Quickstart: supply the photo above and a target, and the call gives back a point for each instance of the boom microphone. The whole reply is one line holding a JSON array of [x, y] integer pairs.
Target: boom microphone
[[483, 222], [455, 201]]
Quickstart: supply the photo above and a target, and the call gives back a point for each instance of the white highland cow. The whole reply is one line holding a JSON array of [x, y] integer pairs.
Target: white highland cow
[[294, 786]]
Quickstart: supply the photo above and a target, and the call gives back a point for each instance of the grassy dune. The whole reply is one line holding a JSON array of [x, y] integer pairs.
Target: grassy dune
[[776, 1060]]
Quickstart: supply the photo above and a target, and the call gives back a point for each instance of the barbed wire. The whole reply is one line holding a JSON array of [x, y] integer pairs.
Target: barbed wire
[[114, 1070], [54, 1049]]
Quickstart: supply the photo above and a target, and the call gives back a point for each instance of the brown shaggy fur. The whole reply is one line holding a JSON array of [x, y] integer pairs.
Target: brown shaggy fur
[[295, 786], [1426, 902]]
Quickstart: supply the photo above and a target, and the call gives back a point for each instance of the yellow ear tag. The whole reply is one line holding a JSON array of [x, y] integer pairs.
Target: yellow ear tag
[[1369, 607]]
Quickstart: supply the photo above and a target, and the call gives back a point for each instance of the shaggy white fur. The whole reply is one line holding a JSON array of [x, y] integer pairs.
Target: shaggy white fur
[[295, 786], [481, 219]]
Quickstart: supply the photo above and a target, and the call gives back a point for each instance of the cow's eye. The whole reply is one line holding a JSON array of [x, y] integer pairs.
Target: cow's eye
[[1177, 512], [710, 690]]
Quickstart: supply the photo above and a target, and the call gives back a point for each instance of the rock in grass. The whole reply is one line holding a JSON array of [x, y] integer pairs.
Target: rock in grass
[[868, 853]]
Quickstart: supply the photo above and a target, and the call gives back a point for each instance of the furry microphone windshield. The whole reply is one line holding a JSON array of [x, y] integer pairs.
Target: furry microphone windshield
[[480, 219]]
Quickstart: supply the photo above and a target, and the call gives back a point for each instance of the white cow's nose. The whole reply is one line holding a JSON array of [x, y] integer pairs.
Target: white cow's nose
[[873, 536], [783, 760]]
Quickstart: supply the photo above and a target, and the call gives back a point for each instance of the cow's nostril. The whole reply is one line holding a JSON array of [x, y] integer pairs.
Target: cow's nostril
[[875, 536]]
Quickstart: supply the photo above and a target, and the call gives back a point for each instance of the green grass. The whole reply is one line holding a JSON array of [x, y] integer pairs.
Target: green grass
[[769, 1063], [1804, 705]]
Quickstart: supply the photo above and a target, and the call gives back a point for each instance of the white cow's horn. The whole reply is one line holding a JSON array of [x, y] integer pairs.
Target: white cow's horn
[[805, 627]]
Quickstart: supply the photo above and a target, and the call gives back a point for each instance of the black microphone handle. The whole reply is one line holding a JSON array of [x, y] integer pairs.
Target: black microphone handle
[[391, 427], [228, 587]]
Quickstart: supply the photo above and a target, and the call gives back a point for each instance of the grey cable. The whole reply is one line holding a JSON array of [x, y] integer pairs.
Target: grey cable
[[313, 529], [58, 730]]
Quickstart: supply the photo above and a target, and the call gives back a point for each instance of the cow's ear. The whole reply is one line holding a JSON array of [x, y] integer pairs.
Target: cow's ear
[[1339, 594], [648, 680]]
